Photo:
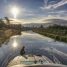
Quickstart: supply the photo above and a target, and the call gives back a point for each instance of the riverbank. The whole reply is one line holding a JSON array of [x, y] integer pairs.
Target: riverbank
[[56, 37], [5, 34], [58, 33]]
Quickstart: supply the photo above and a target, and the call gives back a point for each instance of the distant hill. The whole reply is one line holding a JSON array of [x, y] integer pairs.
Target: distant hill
[[47, 22]]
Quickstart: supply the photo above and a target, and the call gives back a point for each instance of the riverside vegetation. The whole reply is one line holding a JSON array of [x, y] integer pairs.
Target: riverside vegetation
[[56, 32], [7, 30]]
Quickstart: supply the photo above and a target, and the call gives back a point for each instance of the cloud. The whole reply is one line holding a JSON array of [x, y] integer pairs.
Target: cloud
[[38, 19], [55, 5], [59, 12]]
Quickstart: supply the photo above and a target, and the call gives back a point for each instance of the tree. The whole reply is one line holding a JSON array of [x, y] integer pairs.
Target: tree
[[1, 23], [8, 21], [41, 26]]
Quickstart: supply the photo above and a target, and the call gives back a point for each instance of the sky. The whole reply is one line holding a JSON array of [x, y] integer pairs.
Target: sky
[[34, 10]]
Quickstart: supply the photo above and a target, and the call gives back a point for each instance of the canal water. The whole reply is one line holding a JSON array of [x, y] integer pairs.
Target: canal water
[[34, 43]]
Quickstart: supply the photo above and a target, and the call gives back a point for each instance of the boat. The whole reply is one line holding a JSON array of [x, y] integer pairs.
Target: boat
[[33, 61]]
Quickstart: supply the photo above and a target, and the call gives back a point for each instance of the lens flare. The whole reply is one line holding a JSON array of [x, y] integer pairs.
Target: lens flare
[[15, 11]]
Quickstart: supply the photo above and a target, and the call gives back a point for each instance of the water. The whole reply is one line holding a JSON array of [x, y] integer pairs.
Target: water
[[35, 44]]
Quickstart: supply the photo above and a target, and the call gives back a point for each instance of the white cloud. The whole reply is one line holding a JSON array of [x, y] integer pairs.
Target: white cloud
[[58, 12], [41, 19], [60, 3], [54, 6], [38, 19]]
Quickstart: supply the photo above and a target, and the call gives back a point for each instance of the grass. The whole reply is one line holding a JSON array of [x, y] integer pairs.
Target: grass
[[55, 36], [6, 34]]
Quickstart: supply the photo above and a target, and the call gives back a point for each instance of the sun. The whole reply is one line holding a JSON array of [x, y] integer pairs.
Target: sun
[[14, 11]]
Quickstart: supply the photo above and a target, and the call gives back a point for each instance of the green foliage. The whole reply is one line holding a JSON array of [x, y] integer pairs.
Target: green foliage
[[56, 32], [7, 20], [7, 30], [2, 24]]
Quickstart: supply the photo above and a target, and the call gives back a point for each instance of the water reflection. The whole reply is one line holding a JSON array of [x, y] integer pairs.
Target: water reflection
[[34, 43], [15, 45]]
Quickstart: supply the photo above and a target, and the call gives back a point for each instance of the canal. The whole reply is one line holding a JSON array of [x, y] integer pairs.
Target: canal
[[34, 44]]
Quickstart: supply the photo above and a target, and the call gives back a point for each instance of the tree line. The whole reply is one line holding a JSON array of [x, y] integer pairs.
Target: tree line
[[56, 32]]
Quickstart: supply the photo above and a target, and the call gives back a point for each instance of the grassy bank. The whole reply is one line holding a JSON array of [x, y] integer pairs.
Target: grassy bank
[[7, 29], [5, 34], [58, 33]]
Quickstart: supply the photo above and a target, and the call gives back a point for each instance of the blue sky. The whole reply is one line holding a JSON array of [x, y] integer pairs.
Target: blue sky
[[35, 9]]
